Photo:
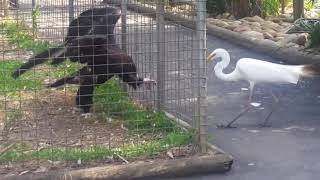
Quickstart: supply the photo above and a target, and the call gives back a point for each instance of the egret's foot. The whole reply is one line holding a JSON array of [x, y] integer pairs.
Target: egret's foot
[[222, 126], [264, 125]]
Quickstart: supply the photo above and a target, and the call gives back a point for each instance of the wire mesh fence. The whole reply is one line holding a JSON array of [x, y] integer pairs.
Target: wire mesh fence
[[88, 82]]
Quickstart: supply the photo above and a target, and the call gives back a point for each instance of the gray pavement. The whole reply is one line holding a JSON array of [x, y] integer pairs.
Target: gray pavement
[[288, 150]]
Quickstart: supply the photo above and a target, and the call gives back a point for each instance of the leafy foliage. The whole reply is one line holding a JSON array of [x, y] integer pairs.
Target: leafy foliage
[[22, 37], [270, 7], [117, 104], [314, 37]]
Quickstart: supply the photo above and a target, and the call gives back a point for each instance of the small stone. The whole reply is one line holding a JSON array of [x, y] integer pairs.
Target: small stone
[[256, 28], [253, 34], [256, 24], [231, 27], [301, 40], [231, 17], [242, 28], [267, 35], [237, 22], [254, 19], [226, 15], [220, 23], [269, 42]]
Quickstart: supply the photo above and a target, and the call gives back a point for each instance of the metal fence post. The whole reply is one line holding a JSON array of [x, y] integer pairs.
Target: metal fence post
[[161, 54], [33, 4], [124, 24], [71, 10], [201, 75], [5, 7], [124, 4]]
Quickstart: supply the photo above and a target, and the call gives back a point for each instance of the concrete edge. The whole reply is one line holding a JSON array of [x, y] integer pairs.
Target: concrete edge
[[286, 54]]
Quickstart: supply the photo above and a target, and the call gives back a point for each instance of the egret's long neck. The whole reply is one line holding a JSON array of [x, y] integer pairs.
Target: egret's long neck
[[220, 66]]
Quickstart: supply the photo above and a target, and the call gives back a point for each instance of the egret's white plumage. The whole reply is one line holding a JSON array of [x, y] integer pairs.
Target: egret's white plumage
[[255, 71], [258, 71]]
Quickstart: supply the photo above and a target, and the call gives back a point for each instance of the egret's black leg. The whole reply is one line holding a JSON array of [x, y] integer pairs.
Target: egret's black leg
[[275, 104], [244, 111], [229, 125]]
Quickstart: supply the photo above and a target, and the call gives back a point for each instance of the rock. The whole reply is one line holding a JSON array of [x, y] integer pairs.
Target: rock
[[219, 16], [237, 22], [232, 17], [271, 25], [258, 19], [225, 15], [256, 24], [242, 28], [267, 35], [271, 32], [301, 40], [276, 20], [286, 24], [278, 38], [254, 19], [269, 42], [290, 44], [253, 34], [256, 28], [220, 23], [231, 27]]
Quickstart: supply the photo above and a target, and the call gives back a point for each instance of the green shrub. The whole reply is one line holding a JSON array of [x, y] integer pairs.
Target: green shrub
[[314, 37], [270, 7]]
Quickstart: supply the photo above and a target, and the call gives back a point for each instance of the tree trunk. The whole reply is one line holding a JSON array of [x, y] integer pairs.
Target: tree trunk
[[283, 5], [298, 9], [256, 8], [240, 8]]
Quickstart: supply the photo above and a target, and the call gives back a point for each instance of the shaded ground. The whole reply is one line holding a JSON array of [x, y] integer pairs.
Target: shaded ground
[[289, 149]]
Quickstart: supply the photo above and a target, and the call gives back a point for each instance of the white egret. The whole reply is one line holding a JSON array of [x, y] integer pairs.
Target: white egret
[[258, 71]]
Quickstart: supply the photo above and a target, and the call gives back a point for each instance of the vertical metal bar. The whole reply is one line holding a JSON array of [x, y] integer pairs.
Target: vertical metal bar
[[124, 7], [71, 10], [124, 24], [201, 75], [161, 54], [33, 4], [5, 6]]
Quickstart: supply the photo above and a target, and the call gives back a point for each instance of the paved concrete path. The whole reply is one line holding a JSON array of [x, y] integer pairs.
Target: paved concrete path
[[288, 150]]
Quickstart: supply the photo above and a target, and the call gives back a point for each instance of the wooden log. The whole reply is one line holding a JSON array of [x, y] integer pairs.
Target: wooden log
[[165, 168], [240, 8], [219, 163], [298, 9]]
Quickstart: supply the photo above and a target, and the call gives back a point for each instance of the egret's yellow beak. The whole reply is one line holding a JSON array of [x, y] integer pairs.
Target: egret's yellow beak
[[210, 57]]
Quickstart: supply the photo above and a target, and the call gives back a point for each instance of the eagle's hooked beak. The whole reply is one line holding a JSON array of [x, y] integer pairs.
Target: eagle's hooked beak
[[210, 57]]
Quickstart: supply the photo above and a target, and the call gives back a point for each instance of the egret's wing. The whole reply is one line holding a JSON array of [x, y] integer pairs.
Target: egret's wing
[[263, 71]]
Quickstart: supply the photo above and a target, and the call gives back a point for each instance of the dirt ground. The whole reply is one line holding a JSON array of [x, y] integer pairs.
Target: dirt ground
[[52, 121]]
